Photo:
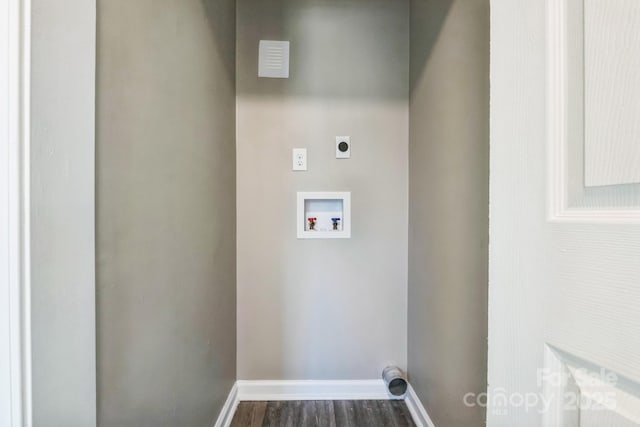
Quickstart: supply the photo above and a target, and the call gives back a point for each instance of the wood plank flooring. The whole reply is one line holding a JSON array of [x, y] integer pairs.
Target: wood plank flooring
[[323, 413]]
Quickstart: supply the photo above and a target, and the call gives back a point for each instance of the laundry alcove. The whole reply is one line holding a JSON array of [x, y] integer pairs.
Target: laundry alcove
[[200, 280]]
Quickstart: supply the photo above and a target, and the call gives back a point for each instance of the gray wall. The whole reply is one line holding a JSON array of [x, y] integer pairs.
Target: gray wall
[[62, 213], [165, 211], [448, 209], [323, 309]]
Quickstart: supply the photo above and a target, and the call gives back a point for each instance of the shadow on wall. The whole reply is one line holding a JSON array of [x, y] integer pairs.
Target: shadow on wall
[[165, 211], [329, 59], [221, 26], [426, 36], [339, 49], [448, 208]]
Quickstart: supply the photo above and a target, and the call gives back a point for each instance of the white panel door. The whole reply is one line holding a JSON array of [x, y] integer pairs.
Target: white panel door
[[564, 291]]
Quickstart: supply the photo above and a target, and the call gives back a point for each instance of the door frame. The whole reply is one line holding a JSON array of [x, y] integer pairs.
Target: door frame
[[15, 213]]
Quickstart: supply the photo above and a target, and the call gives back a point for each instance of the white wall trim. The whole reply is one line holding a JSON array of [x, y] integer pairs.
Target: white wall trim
[[313, 390], [558, 129], [14, 188], [229, 408], [261, 390], [418, 411]]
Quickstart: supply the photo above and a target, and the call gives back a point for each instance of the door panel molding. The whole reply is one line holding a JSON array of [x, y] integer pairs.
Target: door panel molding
[[580, 392], [568, 202]]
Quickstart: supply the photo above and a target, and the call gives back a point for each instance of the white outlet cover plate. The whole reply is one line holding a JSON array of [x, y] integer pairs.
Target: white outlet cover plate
[[299, 159], [343, 154]]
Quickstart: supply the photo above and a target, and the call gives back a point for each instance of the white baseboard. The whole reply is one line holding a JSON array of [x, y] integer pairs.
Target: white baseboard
[[229, 408], [262, 390], [418, 412], [313, 390]]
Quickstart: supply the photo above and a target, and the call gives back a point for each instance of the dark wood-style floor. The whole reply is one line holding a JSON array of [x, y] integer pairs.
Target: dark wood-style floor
[[323, 413]]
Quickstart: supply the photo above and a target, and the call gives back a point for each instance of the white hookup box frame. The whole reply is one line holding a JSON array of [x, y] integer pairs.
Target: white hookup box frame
[[324, 207]]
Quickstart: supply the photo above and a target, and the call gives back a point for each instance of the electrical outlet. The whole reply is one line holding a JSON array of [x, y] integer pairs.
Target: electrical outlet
[[299, 159]]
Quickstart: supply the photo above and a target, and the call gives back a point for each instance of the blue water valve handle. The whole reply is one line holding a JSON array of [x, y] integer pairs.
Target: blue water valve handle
[[335, 223]]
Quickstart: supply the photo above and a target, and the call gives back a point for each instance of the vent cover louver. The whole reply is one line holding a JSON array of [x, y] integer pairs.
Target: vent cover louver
[[273, 59]]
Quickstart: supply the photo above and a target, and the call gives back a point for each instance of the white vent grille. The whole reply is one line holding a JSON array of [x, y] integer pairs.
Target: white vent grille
[[273, 59]]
